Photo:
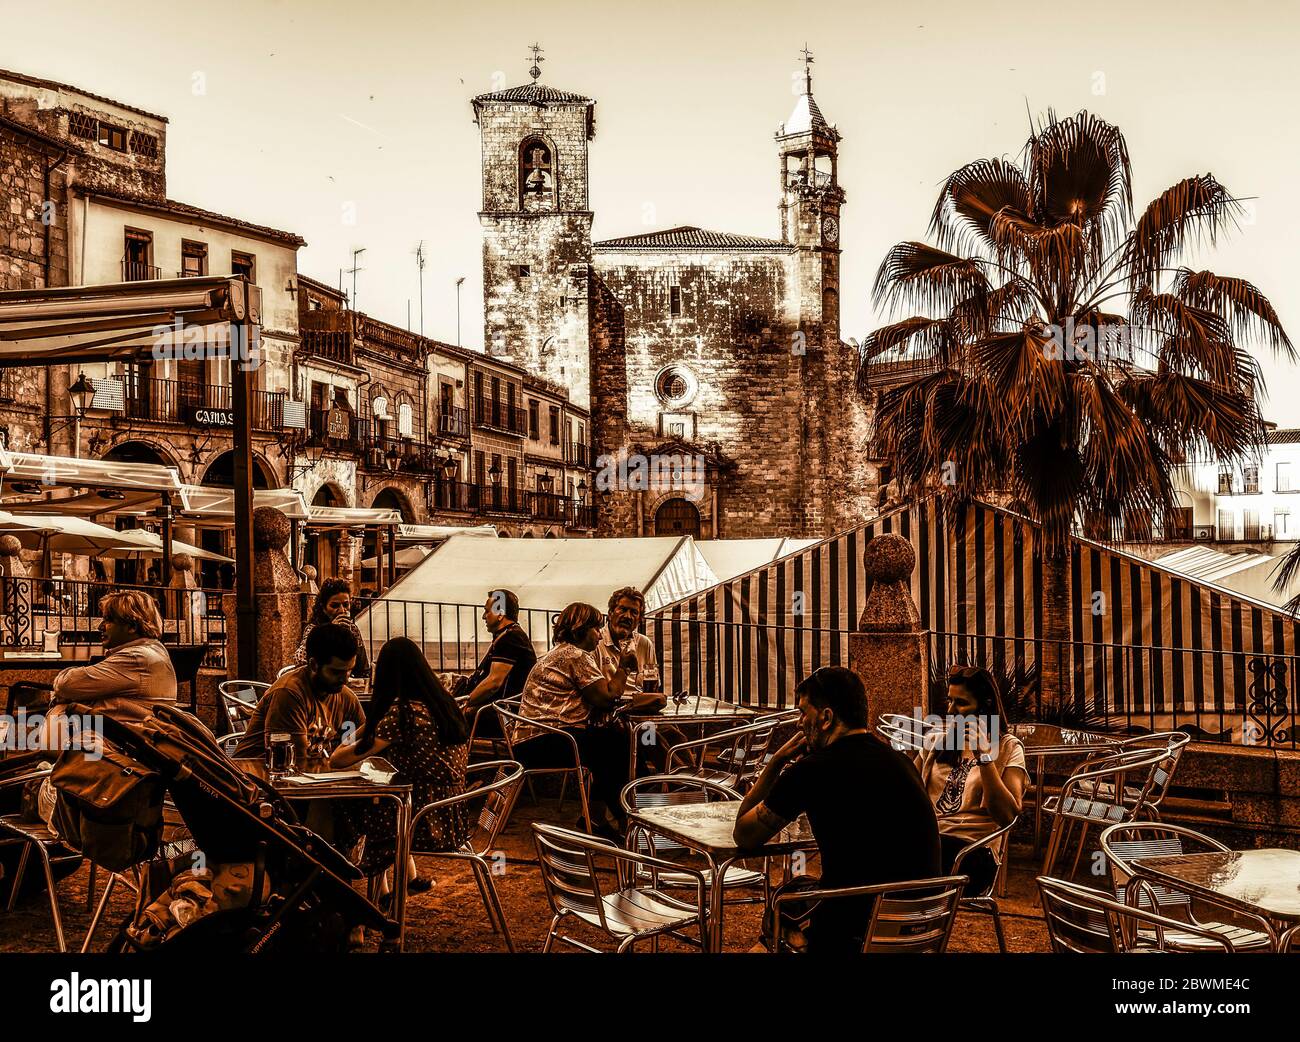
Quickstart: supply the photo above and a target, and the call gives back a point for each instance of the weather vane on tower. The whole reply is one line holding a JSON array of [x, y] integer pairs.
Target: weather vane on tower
[[536, 71], [807, 66]]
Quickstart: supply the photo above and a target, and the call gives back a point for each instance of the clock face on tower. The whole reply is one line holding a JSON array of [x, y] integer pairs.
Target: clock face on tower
[[830, 230]]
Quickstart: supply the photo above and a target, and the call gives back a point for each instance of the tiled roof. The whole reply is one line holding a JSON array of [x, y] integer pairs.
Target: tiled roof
[[1289, 436], [172, 207], [805, 117], [689, 238], [37, 135], [535, 94], [35, 81]]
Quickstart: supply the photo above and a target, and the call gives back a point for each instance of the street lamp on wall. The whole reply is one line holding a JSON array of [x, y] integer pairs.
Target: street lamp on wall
[[545, 482], [82, 393], [392, 458]]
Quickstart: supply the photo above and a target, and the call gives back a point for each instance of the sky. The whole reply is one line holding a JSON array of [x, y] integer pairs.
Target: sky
[[351, 125]]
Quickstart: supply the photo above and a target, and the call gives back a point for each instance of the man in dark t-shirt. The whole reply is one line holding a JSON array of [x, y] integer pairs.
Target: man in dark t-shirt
[[505, 666], [868, 810]]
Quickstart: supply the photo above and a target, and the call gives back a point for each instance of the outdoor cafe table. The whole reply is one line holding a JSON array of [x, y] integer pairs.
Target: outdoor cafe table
[[690, 711], [1265, 883], [325, 787], [707, 829]]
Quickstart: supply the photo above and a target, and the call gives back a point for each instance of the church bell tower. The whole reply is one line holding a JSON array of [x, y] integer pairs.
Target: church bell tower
[[811, 197]]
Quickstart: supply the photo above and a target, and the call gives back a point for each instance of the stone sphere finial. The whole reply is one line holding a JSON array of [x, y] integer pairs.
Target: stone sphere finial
[[270, 529], [888, 558], [10, 546], [309, 571], [182, 562]]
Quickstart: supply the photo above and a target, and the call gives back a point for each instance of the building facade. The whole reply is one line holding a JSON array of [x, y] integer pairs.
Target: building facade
[[720, 391]]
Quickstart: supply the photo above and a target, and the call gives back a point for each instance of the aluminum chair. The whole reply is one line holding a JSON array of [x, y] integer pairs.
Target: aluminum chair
[[903, 732], [1123, 843], [987, 902], [1095, 794], [739, 753], [502, 780], [596, 883], [35, 836], [913, 916], [674, 790], [495, 744], [1173, 743], [1288, 941], [511, 721], [1080, 919]]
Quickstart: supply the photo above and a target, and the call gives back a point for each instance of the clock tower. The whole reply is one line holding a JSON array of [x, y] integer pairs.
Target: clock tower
[[811, 198]]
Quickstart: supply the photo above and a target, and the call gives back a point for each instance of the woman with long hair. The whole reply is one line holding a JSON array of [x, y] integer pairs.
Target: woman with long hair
[[416, 725], [567, 690], [333, 603], [974, 772]]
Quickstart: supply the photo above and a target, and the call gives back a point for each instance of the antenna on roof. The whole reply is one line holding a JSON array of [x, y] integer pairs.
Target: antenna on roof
[[419, 263], [353, 270]]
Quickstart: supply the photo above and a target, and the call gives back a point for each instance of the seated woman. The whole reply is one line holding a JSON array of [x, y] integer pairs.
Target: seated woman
[[566, 689], [334, 604], [417, 726], [974, 772]]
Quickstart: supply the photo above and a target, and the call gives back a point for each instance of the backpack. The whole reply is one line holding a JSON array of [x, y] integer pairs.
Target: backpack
[[110, 806]]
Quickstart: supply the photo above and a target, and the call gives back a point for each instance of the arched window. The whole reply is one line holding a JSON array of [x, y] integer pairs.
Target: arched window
[[405, 426], [536, 175]]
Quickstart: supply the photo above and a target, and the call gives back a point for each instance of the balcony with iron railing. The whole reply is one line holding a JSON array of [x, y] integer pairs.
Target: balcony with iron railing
[[499, 416], [580, 515], [330, 344], [581, 454], [192, 403], [138, 271], [502, 499], [453, 421]]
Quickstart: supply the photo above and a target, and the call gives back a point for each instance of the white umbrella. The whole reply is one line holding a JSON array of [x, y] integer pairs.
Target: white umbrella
[[149, 544], [60, 534]]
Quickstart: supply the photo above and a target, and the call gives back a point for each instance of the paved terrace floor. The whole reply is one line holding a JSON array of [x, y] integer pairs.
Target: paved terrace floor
[[450, 917]]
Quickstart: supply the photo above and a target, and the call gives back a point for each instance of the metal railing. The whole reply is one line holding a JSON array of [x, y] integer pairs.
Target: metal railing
[[32, 607], [453, 421], [138, 271], [491, 412], [332, 344], [451, 635], [198, 404]]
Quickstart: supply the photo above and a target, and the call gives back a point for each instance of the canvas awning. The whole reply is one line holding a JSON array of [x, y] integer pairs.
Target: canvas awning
[[215, 506], [127, 484], [437, 533], [120, 321], [351, 517], [732, 557]]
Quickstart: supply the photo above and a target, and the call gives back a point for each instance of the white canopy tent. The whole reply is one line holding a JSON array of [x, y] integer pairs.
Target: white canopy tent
[[439, 602], [60, 534], [729, 558]]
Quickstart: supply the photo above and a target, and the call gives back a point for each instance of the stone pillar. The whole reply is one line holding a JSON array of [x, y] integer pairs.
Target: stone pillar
[[276, 595], [890, 651]]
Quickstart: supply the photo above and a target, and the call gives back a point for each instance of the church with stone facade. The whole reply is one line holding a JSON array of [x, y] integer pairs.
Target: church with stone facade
[[721, 395]]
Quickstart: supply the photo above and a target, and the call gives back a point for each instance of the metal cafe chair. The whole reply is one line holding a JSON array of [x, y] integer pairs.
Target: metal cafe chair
[[596, 883], [1122, 844], [987, 902], [915, 916], [1173, 742], [1080, 919], [738, 753], [511, 721], [35, 836], [904, 733], [1287, 942], [494, 799], [1095, 795], [675, 790], [238, 700]]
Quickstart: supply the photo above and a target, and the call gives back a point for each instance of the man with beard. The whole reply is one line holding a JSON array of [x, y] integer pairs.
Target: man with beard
[[868, 810], [311, 704]]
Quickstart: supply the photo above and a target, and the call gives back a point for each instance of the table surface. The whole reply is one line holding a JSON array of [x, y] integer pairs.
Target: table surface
[[1263, 881], [697, 709], [359, 786], [1054, 740], [708, 827]]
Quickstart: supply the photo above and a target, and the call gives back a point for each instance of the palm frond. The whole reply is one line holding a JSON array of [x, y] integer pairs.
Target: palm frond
[[1240, 304], [919, 276], [1193, 209]]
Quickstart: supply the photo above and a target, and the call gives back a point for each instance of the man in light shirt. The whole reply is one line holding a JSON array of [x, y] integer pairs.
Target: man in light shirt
[[618, 637]]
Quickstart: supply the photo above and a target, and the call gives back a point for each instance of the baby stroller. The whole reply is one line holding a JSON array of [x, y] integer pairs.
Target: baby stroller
[[301, 898]]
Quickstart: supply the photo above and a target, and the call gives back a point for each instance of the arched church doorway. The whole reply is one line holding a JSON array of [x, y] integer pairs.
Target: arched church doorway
[[677, 517]]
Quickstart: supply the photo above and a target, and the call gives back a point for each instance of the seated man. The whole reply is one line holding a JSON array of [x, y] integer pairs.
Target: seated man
[[618, 639], [505, 665], [136, 666], [868, 810], [312, 704]]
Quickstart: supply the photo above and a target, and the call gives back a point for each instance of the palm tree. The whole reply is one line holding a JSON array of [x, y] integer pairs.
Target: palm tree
[[1068, 363]]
